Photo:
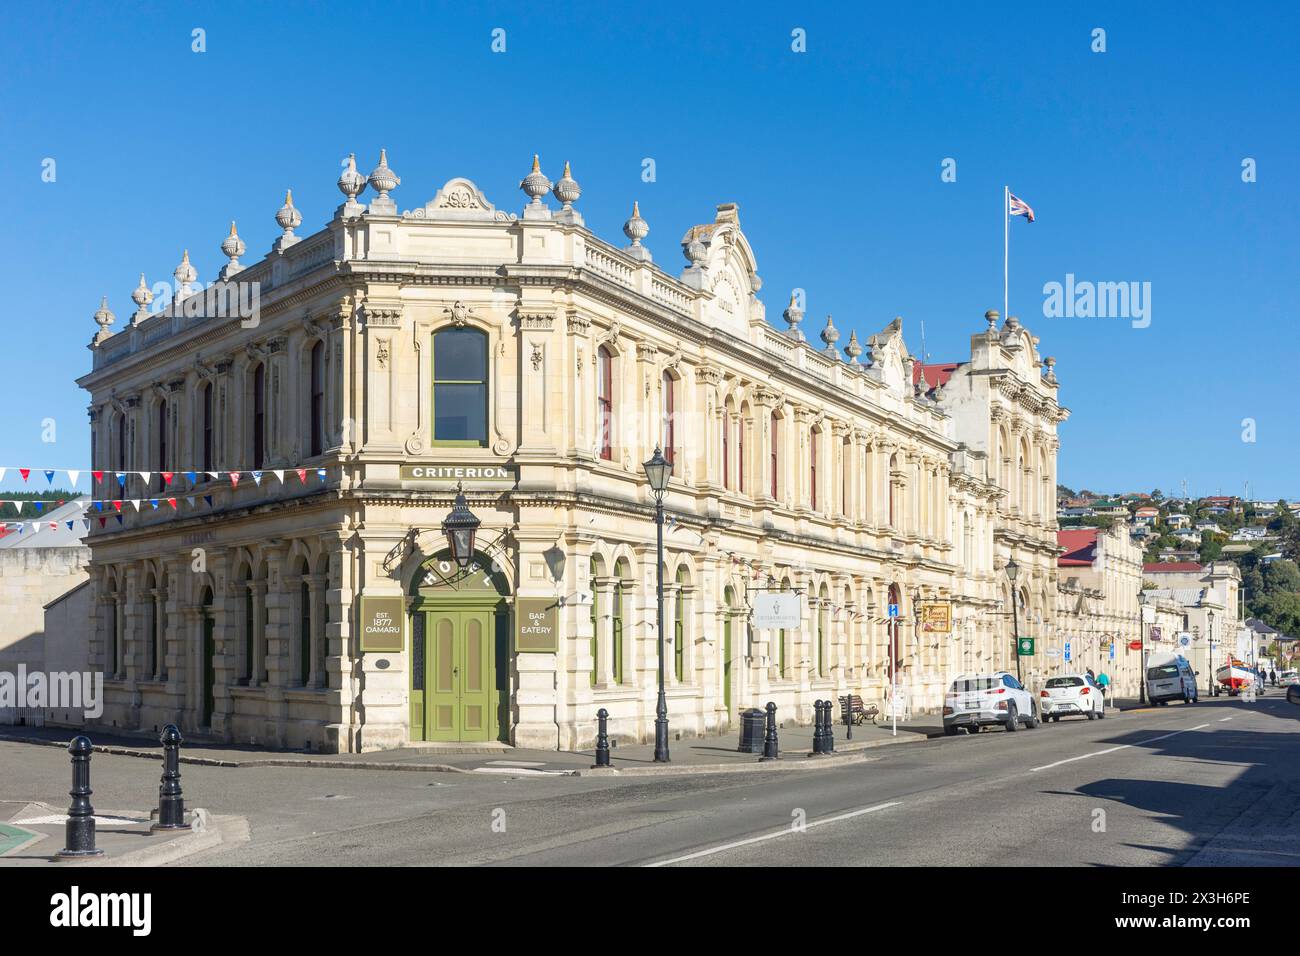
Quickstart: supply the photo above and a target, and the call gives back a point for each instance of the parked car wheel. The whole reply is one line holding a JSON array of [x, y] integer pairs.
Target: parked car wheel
[[1032, 722], [1092, 714], [950, 730], [1013, 719], [973, 729], [1293, 694], [1056, 718]]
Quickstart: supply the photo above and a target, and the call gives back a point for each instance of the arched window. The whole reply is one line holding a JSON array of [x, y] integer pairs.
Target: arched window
[[304, 629], [616, 658], [163, 464], [112, 655], [726, 449], [846, 475], [151, 622], [595, 622], [679, 627], [120, 464], [667, 401], [823, 626], [775, 456], [460, 393], [889, 487], [812, 468], [246, 674], [740, 453], [259, 416], [318, 398], [895, 643], [206, 429], [605, 402]]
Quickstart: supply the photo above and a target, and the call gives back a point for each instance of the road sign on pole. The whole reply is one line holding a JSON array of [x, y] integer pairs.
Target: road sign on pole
[[1067, 651], [1025, 647]]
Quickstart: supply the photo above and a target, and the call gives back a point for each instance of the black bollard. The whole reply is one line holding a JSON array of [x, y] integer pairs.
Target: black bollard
[[848, 717], [817, 727], [602, 739], [770, 751], [79, 834], [171, 803], [828, 728]]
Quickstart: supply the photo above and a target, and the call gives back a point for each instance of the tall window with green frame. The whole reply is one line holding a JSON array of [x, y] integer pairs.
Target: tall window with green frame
[[460, 388], [595, 622], [304, 632], [679, 629], [780, 652], [821, 639], [616, 657]]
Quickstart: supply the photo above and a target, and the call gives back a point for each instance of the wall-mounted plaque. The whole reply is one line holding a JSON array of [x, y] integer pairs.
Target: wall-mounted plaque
[[537, 625], [381, 624]]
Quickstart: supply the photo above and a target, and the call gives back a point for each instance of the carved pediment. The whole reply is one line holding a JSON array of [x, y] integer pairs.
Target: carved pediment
[[460, 200]]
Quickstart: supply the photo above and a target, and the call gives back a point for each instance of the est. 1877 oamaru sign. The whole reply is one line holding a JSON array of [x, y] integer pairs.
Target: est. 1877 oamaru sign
[[381, 624]]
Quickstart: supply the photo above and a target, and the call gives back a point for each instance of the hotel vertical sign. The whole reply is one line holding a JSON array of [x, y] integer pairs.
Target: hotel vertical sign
[[381, 624]]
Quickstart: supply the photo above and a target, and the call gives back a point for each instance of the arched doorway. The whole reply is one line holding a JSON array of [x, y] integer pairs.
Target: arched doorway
[[460, 651]]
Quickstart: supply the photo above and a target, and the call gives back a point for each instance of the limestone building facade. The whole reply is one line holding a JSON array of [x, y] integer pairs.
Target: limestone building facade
[[295, 587]]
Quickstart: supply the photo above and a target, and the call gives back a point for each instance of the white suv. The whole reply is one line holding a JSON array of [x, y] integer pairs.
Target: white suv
[[981, 700], [1068, 694]]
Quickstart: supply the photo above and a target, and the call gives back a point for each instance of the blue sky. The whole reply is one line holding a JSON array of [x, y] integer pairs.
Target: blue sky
[[1131, 159]]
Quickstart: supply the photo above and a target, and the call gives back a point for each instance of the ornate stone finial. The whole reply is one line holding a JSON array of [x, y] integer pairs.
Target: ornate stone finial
[[185, 274], [232, 247], [636, 228], [141, 297], [351, 183], [853, 349], [1012, 322], [104, 317], [694, 249], [383, 179], [535, 185], [288, 217], [567, 189], [793, 316], [830, 335], [991, 317], [1050, 374]]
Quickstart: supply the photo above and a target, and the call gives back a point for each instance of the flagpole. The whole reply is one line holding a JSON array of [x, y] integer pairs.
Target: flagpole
[[1006, 246]]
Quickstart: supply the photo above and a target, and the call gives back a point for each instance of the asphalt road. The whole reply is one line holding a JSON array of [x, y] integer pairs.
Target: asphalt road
[[1209, 784]]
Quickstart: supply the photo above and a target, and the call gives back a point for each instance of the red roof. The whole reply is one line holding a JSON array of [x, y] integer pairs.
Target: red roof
[[1173, 566], [1080, 547], [935, 375]]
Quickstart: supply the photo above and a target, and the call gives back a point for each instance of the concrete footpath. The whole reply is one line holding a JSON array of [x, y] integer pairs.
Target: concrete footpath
[[32, 834], [689, 755]]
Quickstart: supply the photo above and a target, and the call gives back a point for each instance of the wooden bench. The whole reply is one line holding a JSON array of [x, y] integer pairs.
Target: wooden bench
[[852, 708]]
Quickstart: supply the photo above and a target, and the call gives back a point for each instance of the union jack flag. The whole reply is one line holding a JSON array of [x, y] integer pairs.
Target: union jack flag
[[1018, 207]]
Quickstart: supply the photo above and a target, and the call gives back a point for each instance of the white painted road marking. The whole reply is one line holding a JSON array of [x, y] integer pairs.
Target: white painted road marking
[[773, 836], [1111, 750], [1222, 719]]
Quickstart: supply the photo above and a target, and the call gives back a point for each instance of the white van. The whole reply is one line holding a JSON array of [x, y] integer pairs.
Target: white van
[[1170, 677]]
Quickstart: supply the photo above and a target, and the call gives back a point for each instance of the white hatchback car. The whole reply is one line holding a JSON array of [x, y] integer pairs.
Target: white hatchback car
[[1068, 694], [983, 700]]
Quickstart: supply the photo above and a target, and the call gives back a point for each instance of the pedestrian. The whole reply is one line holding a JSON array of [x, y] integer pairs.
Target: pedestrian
[[1104, 683], [1272, 676]]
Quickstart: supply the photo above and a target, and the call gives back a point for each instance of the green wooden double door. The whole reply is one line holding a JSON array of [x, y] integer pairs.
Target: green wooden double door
[[455, 690]]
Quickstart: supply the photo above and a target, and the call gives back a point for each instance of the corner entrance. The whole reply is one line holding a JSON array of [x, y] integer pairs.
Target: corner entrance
[[459, 654]]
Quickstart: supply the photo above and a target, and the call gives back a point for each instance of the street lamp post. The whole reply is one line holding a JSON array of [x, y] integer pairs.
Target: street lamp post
[[1214, 685], [657, 470], [1142, 653], [1012, 570]]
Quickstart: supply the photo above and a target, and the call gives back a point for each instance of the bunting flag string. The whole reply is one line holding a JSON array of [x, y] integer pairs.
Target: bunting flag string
[[99, 476], [169, 499]]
